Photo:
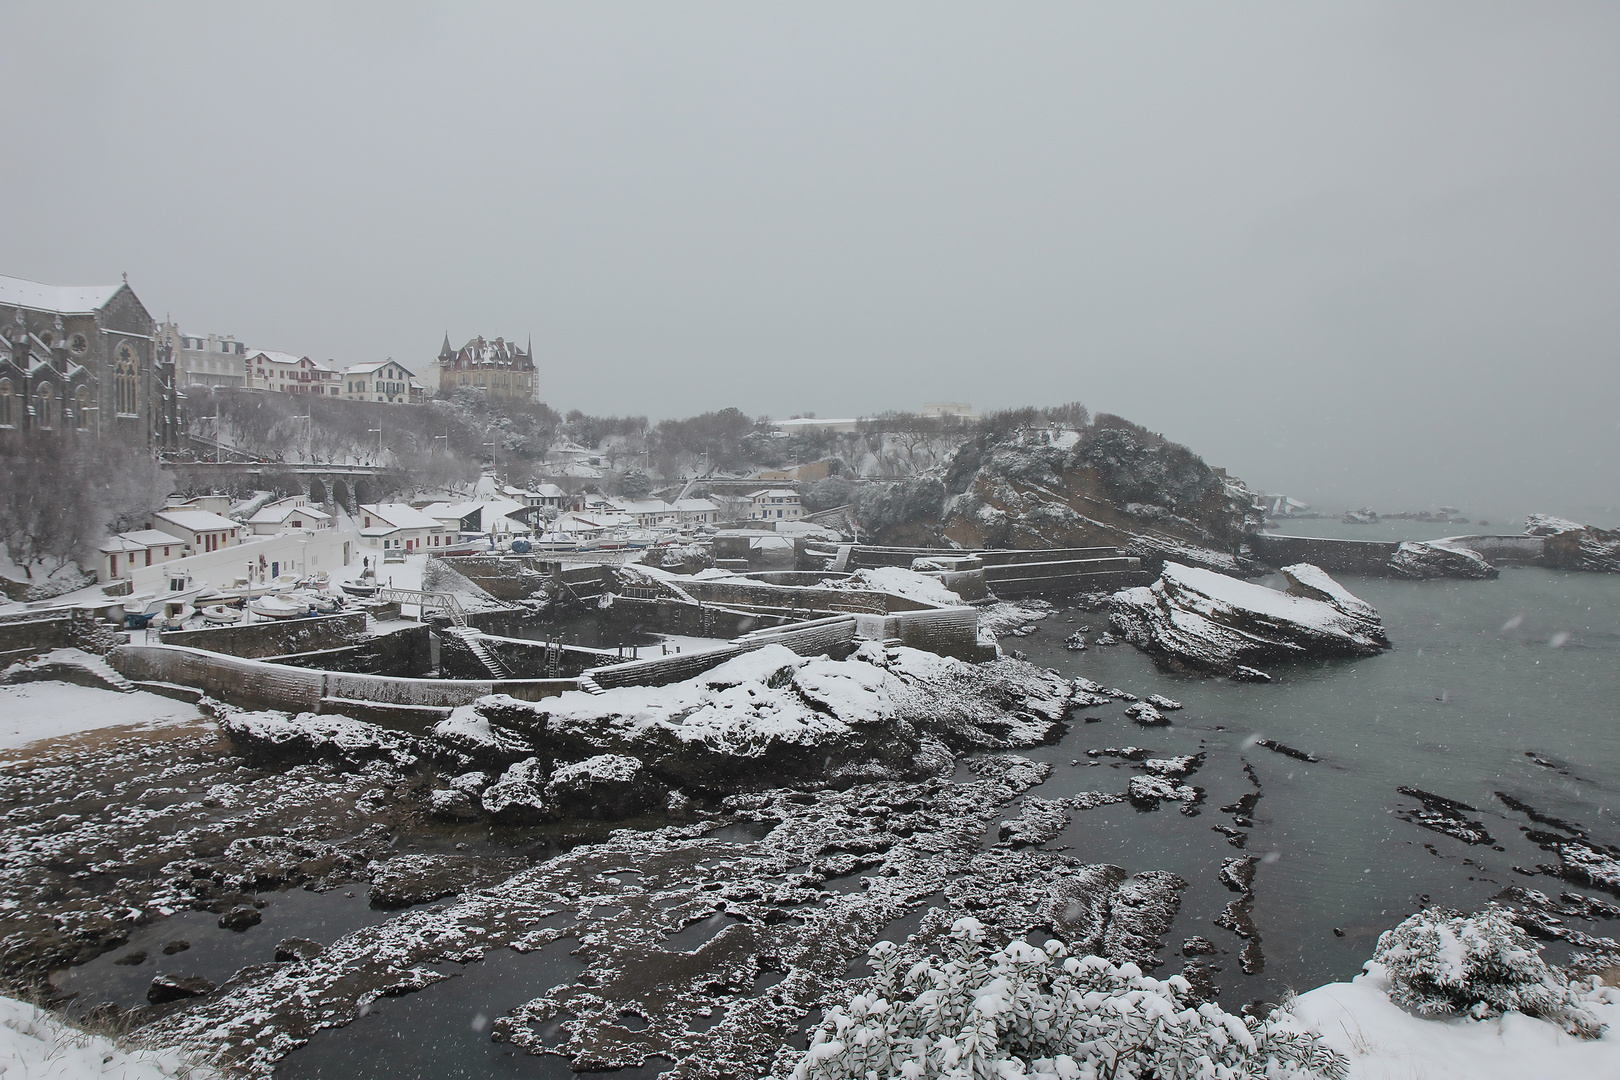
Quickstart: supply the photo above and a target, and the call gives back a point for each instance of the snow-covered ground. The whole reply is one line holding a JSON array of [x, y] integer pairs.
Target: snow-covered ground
[[33, 1043], [44, 710], [1385, 1042]]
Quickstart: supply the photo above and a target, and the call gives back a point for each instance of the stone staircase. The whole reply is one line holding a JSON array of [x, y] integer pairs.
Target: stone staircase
[[476, 645]]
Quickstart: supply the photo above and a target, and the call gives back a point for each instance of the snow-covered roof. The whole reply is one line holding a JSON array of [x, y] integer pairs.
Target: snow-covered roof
[[276, 513], [278, 357], [641, 506], [549, 491], [66, 299], [775, 493], [690, 505], [401, 515], [196, 520], [373, 366], [138, 540]]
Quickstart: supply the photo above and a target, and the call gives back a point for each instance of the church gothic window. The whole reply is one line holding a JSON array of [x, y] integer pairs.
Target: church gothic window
[[7, 416], [81, 407], [124, 385], [46, 408]]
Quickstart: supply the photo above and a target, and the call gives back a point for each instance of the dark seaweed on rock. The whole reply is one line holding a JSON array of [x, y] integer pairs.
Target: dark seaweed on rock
[[1282, 748]]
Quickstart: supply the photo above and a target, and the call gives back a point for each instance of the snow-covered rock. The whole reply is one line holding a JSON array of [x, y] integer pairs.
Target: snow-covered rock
[[1422, 560], [1204, 621], [519, 796], [1573, 546], [604, 786], [771, 716], [274, 736]]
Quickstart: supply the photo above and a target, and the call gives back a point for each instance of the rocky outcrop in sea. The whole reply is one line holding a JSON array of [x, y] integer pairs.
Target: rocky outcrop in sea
[[1572, 546], [1198, 620], [1421, 560]]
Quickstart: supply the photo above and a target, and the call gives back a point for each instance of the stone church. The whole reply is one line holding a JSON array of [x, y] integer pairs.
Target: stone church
[[499, 368], [81, 361]]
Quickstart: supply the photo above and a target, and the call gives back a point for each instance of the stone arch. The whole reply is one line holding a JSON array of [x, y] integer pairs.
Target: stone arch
[[317, 490], [362, 490], [340, 494]]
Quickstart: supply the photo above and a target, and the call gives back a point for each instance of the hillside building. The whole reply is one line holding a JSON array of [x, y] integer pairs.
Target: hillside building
[[384, 380], [497, 368], [211, 360], [284, 373]]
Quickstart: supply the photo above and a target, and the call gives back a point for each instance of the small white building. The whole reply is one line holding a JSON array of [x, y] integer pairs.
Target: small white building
[[401, 527], [293, 512], [645, 512], [198, 530], [774, 504], [545, 495], [284, 373], [696, 511], [384, 380], [121, 555]]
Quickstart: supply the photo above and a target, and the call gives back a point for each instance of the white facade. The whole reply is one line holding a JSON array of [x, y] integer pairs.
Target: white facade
[[385, 380], [696, 511], [286, 514], [121, 555], [402, 527], [775, 504], [284, 373], [197, 530], [205, 360]]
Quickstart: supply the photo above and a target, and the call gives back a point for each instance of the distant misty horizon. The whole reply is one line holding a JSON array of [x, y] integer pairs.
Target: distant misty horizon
[[1360, 253]]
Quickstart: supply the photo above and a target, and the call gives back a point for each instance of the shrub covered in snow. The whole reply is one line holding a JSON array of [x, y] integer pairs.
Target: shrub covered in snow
[[1020, 1011], [1441, 961]]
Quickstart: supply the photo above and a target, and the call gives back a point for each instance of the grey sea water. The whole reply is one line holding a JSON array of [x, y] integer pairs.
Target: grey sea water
[[1503, 686]]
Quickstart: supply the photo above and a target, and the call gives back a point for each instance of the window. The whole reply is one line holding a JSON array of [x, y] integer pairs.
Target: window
[[46, 409], [81, 407], [125, 396], [7, 416]]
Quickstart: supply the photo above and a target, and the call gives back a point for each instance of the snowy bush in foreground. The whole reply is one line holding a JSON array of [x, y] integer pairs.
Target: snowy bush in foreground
[[1441, 961], [1022, 1012]]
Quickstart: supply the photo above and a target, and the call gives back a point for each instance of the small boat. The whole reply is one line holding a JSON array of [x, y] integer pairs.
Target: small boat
[[220, 615], [358, 588], [274, 607]]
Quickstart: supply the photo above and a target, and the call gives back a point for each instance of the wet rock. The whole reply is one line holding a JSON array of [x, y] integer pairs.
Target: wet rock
[[1249, 674], [176, 947], [1147, 791], [1078, 905], [166, 988], [1582, 862], [1128, 753], [297, 949], [1423, 560], [1141, 914], [405, 880], [133, 959], [1288, 751], [1203, 621], [1235, 837], [1242, 810], [1174, 768], [1198, 946], [1238, 874], [241, 917], [605, 786], [1443, 815], [519, 796], [1040, 821], [1164, 704], [1147, 715], [1105, 640], [450, 804], [261, 863], [1075, 642]]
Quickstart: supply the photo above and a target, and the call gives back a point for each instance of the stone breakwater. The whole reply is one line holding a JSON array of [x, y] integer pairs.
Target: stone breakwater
[[1198, 620]]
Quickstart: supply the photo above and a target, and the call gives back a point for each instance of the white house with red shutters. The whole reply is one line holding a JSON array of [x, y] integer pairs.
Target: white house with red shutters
[[282, 515], [199, 531], [401, 527], [124, 553]]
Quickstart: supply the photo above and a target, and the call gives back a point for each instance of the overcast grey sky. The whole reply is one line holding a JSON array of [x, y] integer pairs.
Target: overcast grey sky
[[1363, 252]]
